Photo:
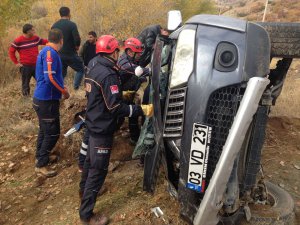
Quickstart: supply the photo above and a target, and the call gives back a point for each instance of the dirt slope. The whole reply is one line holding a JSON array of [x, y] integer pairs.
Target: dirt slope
[[253, 10], [28, 199]]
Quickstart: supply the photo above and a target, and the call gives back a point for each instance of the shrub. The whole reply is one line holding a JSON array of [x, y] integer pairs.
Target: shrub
[[252, 17], [257, 7], [38, 10], [242, 14], [242, 4]]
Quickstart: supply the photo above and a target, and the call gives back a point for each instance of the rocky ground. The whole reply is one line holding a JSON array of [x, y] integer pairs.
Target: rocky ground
[[28, 199]]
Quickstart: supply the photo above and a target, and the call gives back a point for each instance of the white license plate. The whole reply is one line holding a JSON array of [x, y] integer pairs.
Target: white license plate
[[198, 157]]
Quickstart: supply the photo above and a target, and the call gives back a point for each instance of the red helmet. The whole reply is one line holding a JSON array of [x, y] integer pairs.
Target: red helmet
[[134, 44], [106, 44]]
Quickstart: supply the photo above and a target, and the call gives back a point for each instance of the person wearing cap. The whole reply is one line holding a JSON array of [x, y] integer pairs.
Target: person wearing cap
[[27, 47], [148, 36], [128, 62], [104, 106]]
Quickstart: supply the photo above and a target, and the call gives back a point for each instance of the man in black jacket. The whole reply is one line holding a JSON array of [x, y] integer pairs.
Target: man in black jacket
[[88, 50], [104, 106], [147, 37], [68, 53], [127, 63]]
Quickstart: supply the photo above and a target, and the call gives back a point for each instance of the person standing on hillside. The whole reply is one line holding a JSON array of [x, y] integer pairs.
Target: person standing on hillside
[[148, 37], [88, 50], [68, 53], [104, 106], [27, 47], [49, 90]]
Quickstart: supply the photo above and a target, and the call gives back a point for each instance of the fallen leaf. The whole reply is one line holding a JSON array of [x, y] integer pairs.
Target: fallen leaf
[[11, 165], [113, 166], [7, 207], [25, 149], [297, 167]]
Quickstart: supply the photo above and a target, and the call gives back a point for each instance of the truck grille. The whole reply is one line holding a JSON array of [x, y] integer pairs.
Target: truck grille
[[221, 110], [174, 113]]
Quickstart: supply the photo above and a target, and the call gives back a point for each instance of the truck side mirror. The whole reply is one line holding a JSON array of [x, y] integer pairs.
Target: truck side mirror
[[174, 19]]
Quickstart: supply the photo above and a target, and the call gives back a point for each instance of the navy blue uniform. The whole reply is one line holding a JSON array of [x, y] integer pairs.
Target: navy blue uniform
[[105, 105], [127, 67], [130, 82]]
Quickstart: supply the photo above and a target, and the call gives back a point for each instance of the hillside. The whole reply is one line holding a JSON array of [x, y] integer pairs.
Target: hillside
[[26, 199], [277, 10]]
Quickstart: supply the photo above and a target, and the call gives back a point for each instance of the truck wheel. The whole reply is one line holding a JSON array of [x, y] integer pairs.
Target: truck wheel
[[281, 212], [285, 39]]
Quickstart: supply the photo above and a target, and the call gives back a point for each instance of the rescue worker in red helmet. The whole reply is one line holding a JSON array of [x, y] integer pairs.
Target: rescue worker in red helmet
[[127, 63], [104, 106]]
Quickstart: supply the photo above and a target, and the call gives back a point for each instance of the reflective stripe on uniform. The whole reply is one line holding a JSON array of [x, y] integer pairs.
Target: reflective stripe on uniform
[[49, 59], [83, 145], [130, 110], [83, 152]]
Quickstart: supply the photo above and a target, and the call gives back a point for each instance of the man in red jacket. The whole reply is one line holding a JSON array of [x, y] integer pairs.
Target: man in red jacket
[[27, 47]]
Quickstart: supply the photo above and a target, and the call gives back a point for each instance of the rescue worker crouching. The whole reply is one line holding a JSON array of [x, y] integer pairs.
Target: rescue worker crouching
[[127, 63], [104, 106]]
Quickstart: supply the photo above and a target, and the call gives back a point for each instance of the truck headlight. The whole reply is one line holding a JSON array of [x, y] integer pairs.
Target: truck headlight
[[184, 58]]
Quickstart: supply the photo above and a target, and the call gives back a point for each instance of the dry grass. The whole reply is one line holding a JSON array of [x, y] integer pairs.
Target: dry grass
[[277, 11], [96, 15], [24, 127], [19, 122], [288, 103]]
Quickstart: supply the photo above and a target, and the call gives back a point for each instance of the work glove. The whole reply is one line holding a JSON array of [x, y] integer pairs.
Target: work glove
[[148, 110], [138, 71], [128, 95]]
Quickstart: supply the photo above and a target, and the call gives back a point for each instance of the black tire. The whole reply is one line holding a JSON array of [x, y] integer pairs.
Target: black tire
[[250, 154], [249, 161], [285, 39], [281, 212]]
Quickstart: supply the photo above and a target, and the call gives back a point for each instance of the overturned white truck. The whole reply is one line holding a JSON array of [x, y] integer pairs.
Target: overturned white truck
[[212, 92]]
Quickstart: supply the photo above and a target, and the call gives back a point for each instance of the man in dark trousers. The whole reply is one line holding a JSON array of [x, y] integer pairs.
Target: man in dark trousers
[[49, 90], [68, 53], [27, 47], [104, 106], [127, 63], [87, 52], [148, 37]]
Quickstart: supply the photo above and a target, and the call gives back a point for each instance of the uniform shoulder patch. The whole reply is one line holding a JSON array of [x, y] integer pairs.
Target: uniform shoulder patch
[[114, 89], [49, 58]]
